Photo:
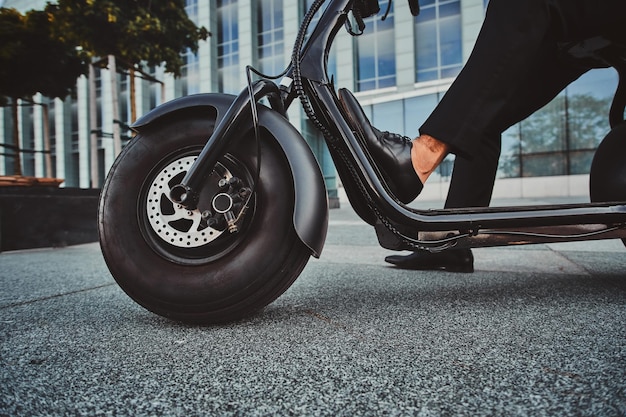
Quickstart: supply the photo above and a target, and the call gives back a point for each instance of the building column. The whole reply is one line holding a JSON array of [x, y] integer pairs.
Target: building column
[[170, 87], [82, 96], [140, 97], [22, 132], [247, 38], [4, 133], [38, 126], [404, 33], [207, 54], [61, 151], [472, 16]]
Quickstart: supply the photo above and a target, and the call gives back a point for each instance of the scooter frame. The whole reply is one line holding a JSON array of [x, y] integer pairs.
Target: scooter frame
[[398, 226]]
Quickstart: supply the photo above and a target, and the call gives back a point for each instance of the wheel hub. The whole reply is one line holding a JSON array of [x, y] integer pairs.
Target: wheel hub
[[172, 222]]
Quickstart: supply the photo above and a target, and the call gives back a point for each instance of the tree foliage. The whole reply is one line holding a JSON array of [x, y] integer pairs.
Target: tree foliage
[[32, 60], [134, 31], [46, 51], [551, 133]]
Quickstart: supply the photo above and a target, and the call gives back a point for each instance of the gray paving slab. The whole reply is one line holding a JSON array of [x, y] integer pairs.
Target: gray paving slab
[[535, 331]]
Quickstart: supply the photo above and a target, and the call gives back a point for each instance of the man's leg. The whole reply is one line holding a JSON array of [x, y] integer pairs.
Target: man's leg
[[513, 34], [472, 180], [471, 185]]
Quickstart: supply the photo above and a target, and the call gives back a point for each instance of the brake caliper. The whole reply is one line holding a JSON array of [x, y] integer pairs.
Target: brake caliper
[[228, 206]]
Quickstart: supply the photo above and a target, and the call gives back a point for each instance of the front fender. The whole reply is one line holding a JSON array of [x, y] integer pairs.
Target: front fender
[[310, 217]]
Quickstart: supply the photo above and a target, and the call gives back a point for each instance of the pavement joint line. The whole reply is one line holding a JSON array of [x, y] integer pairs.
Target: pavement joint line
[[567, 258], [36, 300]]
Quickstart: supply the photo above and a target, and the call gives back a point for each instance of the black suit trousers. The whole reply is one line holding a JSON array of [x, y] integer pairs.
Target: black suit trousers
[[516, 68]]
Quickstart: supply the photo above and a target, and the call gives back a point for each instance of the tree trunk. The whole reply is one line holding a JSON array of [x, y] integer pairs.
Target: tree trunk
[[133, 99], [93, 126], [17, 167], [46, 141], [117, 138]]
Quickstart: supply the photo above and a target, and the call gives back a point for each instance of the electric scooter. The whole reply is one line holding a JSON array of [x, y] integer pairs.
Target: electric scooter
[[214, 208]]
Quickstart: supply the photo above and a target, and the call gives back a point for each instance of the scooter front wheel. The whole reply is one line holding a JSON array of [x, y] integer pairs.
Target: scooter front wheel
[[192, 265]]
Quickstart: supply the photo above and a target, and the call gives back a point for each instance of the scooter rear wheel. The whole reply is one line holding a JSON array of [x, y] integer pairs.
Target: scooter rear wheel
[[169, 259], [607, 178]]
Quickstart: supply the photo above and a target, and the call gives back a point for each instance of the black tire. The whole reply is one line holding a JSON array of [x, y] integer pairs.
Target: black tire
[[607, 178], [223, 276]]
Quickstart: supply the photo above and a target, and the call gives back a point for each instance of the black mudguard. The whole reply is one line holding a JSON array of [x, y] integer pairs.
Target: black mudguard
[[310, 217]]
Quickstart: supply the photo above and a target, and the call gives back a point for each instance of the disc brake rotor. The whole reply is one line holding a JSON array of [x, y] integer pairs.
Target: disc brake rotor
[[173, 223]]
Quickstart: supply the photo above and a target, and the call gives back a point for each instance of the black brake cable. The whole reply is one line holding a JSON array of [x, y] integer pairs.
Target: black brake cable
[[257, 136], [255, 125], [387, 11]]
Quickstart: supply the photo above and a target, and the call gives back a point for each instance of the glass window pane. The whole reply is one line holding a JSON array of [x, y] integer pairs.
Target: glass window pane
[[389, 116], [450, 72], [416, 111], [426, 46], [544, 165], [509, 165], [426, 14], [580, 162], [376, 58], [545, 130], [450, 9], [387, 55], [450, 43], [588, 103], [427, 75], [438, 43]]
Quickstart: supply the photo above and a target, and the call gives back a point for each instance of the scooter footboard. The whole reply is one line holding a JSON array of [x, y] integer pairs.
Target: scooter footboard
[[586, 222]]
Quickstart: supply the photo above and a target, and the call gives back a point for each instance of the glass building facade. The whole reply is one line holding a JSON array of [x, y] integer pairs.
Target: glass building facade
[[228, 46], [398, 68], [376, 53]]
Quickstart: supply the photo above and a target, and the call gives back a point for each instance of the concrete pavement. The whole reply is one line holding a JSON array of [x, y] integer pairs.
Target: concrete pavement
[[535, 331]]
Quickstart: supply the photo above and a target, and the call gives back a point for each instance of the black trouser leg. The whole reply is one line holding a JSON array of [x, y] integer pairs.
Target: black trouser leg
[[514, 36]]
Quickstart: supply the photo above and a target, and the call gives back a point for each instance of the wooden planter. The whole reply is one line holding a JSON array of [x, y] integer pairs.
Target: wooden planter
[[21, 181], [36, 213]]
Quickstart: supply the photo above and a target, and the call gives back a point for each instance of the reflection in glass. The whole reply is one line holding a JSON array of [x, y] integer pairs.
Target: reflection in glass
[[561, 138], [545, 130], [438, 40], [376, 52], [509, 165], [544, 165]]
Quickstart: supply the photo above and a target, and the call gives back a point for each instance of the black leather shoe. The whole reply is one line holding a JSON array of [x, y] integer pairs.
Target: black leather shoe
[[453, 260], [391, 152]]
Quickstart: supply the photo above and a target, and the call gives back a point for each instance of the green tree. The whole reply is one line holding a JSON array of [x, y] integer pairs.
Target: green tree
[[32, 61], [136, 32], [132, 34]]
